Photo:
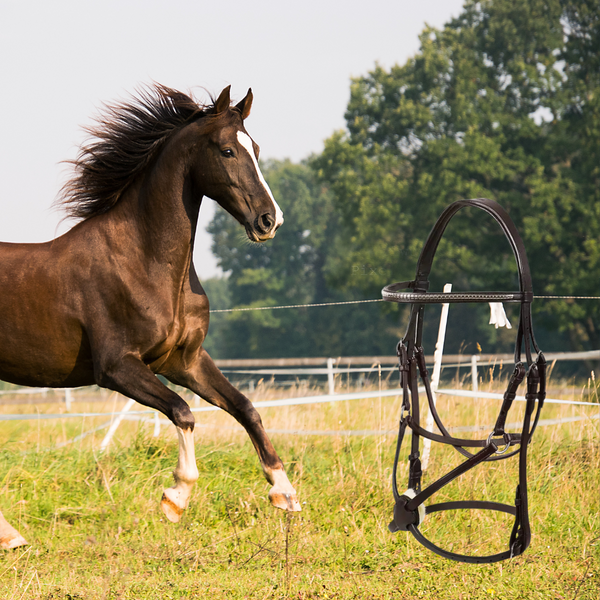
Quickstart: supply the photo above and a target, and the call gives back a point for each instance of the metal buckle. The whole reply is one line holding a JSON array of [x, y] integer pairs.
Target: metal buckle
[[505, 449]]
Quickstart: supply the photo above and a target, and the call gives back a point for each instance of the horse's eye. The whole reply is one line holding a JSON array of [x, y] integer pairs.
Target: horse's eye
[[227, 153]]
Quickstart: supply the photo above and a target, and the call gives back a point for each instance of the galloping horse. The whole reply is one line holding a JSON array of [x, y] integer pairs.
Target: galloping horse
[[116, 301]]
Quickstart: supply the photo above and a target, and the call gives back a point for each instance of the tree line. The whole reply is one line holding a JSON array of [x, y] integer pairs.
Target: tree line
[[502, 103]]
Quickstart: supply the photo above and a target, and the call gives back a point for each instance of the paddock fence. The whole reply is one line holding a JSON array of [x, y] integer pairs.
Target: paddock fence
[[301, 369]]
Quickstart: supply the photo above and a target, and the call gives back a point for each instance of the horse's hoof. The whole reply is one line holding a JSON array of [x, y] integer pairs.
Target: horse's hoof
[[170, 509], [284, 500], [13, 539]]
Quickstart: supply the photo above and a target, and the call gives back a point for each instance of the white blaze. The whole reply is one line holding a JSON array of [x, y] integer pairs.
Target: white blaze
[[246, 142]]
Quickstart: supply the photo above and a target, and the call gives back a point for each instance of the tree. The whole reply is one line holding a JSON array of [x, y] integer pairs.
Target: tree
[[291, 269], [502, 103]]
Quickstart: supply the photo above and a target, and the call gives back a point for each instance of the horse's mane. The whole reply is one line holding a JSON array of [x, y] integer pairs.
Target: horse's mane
[[125, 140]]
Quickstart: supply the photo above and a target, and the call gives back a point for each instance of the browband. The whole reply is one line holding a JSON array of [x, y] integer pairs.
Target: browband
[[409, 509]]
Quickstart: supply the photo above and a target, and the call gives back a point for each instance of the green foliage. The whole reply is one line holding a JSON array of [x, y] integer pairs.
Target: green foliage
[[502, 103], [291, 269], [217, 291]]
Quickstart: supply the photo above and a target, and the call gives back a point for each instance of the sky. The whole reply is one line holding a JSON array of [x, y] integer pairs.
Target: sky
[[61, 60]]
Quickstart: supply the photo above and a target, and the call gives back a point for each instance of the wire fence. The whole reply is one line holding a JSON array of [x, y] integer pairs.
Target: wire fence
[[319, 304]]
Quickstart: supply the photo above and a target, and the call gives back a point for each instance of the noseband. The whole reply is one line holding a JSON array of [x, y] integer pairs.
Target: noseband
[[409, 510]]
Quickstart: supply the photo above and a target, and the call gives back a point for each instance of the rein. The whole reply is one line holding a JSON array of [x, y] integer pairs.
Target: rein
[[409, 509]]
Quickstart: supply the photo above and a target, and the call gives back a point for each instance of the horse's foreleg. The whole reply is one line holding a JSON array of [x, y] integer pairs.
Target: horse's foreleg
[[204, 378], [9, 536], [134, 379], [175, 499]]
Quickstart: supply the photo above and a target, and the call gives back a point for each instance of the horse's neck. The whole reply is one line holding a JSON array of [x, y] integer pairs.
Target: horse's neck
[[162, 209]]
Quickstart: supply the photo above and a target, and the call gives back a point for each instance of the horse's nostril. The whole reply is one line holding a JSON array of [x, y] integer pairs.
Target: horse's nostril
[[265, 223]]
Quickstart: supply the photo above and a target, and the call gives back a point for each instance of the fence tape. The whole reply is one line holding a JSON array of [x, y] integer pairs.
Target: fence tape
[[36, 416], [296, 402], [360, 432], [494, 396], [460, 429]]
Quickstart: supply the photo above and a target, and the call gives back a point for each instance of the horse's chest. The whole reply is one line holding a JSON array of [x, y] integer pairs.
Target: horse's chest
[[177, 328]]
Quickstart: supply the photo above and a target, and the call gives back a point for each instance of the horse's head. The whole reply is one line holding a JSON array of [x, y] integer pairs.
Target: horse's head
[[230, 174]]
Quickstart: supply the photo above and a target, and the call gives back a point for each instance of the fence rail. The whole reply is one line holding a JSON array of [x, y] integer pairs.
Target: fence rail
[[336, 366], [323, 366], [152, 417], [307, 367], [352, 361]]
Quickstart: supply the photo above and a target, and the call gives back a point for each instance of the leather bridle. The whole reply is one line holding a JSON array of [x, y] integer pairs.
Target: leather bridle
[[409, 510]]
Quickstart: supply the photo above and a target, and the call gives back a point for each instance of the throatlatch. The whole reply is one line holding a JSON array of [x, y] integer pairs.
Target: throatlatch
[[410, 510]]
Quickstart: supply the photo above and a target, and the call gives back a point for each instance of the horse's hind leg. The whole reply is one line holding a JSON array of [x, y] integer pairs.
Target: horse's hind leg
[[204, 378], [9, 536], [134, 379]]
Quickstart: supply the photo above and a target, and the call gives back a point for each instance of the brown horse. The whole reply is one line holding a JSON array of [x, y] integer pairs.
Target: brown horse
[[116, 300]]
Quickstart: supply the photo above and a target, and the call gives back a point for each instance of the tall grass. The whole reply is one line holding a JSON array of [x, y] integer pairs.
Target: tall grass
[[96, 531]]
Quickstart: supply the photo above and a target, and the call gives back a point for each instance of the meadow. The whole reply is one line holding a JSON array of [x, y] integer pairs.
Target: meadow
[[96, 531]]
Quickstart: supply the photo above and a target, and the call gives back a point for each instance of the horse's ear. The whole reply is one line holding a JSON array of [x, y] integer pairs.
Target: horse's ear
[[223, 101], [245, 105]]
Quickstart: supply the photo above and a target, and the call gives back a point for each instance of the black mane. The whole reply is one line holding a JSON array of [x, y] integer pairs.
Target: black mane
[[127, 137]]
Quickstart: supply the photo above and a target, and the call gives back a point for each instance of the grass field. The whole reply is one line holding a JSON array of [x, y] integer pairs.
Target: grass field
[[96, 531]]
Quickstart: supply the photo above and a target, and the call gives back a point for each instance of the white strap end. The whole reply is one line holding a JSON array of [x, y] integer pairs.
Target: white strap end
[[498, 316]]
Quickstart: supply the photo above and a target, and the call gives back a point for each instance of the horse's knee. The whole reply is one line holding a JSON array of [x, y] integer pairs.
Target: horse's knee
[[182, 416], [247, 411]]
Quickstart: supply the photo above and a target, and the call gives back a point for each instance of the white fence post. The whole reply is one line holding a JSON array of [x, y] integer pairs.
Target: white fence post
[[474, 373], [435, 378], [115, 425], [68, 399], [330, 376], [156, 425]]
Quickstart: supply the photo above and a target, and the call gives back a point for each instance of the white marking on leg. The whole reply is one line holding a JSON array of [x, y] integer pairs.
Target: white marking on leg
[[246, 142], [176, 499], [9, 536]]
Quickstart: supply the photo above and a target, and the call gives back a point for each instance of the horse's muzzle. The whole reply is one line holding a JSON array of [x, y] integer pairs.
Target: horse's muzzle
[[263, 228]]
